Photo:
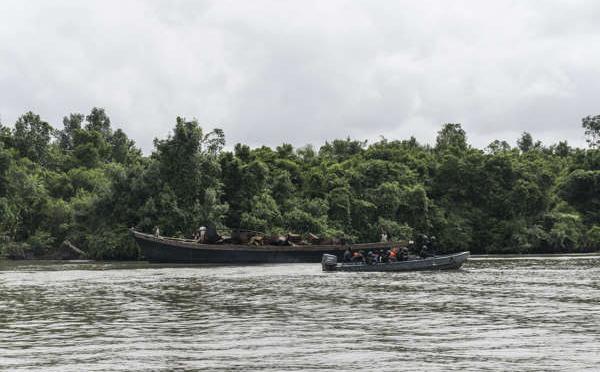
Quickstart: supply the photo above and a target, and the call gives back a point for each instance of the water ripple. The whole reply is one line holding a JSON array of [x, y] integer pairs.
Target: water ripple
[[532, 313]]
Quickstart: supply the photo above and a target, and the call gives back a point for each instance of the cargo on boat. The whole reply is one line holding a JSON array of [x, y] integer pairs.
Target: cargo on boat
[[173, 250], [445, 262]]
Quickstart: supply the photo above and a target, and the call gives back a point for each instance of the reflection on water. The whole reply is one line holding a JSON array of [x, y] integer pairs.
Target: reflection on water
[[534, 314]]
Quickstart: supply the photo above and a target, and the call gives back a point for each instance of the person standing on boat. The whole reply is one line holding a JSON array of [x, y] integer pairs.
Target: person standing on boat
[[426, 250], [433, 246], [156, 232], [211, 235], [348, 255], [384, 237], [202, 230]]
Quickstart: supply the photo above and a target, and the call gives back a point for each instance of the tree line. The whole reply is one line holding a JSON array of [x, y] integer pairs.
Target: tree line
[[88, 184]]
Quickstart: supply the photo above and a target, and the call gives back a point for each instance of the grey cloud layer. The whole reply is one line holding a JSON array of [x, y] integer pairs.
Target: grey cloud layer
[[269, 72]]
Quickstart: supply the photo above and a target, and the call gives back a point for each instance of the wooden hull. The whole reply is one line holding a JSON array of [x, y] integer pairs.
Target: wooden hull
[[446, 262], [168, 250]]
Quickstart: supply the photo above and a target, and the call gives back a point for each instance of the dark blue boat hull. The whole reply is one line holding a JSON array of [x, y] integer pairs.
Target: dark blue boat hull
[[170, 250], [157, 252]]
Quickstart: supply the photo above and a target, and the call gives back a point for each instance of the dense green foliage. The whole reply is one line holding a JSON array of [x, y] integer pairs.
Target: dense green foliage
[[89, 184]]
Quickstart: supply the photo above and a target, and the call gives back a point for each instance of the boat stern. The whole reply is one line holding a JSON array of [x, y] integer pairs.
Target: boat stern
[[329, 262]]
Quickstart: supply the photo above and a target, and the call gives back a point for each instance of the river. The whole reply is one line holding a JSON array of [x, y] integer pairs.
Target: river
[[496, 313]]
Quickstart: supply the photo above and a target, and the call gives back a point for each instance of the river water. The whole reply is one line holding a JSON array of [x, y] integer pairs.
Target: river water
[[518, 314]]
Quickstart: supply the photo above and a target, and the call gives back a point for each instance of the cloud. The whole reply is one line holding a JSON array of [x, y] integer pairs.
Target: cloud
[[269, 72]]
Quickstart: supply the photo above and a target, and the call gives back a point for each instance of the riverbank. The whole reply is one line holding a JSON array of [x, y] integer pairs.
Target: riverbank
[[24, 251]]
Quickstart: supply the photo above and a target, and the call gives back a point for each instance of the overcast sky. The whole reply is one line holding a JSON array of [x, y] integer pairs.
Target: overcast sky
[[269, 72]]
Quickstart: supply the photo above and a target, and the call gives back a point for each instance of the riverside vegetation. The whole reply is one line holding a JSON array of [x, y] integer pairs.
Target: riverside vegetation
[[88, 184]]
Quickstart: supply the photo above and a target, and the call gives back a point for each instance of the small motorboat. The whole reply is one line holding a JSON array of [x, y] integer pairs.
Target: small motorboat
[[444, 262]]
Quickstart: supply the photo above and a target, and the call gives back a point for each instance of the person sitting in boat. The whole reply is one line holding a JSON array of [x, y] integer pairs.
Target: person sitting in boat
[[402, 254], [348, 255], [358, 257], [399, 254], [372, 257], [428, 248], [432, 245], [384, 256], [393, 255]]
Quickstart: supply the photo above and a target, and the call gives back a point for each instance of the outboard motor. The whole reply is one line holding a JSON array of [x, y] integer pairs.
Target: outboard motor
[[329, 262]]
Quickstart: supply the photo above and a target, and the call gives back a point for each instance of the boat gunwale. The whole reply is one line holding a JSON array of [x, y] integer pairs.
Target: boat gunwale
[[192, 244], [458, 255], [423, 264]]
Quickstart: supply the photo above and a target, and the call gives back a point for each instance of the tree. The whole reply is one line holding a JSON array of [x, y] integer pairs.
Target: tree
[[122, 149], [188, 165], [387, 197], [306, 153], [5, 161], [214, 142], [282, 188], [179, 160], [286, 151], [525, 143], [591, 124], [31, 137], [232, 178], [342, 149], [98, 120], [497, 147], [70, 125], [581, 189], [89, 149], [562, 149], [451, 136], [242, 152], [264, 214], [5, 136]]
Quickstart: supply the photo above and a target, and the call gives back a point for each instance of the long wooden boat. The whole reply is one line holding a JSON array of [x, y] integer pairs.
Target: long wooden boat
[[173, 250], [445, 262]]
